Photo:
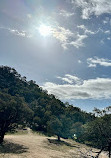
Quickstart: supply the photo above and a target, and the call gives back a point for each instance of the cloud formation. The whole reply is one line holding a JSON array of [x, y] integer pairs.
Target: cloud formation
[[99, 88], [17, 32], [86, 31], [63, 35], [93, 62], [93, 7], [68, 38], [78, 42], [65, 13], [70, 79]]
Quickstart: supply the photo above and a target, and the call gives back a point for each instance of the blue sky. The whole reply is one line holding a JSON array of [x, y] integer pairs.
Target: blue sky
[[65, 46]]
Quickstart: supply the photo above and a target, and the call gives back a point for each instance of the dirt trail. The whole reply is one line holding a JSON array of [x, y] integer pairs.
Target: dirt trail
[[39, 146]]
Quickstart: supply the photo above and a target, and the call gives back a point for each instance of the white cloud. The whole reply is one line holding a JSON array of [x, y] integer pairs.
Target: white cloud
[[65, 79], [79, 41], [79, 61], [98, 88], [65, 13], [74, 79], [68, 38], [62, 34], [93, 62], [93, 7], [105, 21], [107, 32], [16, 32], [90, 32], [70, 79], [86, 31], [109, 38]]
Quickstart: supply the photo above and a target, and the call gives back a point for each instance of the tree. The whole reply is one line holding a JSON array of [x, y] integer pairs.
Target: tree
[[77, 130], [60, 126], [98, 132], [13, 112]]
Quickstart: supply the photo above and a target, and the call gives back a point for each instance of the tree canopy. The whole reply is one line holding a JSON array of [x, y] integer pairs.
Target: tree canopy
[[13, 112], [48, 111]]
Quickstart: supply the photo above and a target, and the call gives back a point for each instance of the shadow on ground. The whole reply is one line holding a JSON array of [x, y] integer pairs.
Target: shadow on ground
[[54, 141], [8, 147]]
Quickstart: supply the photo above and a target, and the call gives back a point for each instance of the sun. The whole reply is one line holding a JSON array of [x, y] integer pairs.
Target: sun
[[44, 30]]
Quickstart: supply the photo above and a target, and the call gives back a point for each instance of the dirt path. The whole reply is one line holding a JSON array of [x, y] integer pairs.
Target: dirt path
[[39, 146]]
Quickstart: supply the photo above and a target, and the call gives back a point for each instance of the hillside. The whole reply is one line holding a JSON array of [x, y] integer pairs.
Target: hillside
[[24, 104], [46, 107], [39, 146]]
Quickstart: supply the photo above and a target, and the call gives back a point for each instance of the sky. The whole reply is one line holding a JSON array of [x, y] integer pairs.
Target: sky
[[63, 45]]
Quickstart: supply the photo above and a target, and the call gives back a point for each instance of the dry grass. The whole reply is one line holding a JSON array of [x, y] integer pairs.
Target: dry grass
[[39, 146]]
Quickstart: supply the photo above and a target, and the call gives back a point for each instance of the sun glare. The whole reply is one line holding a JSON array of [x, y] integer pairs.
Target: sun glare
[[44, 30]]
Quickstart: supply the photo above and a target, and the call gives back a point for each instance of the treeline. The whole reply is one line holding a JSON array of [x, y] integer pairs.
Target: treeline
[[24, 103], [48, 114]]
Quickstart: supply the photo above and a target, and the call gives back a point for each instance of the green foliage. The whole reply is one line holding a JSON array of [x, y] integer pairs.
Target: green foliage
[[49, 114], [77, 129], [98, 132], [77, 115], [60, 126], [23, 102], [13, 112]]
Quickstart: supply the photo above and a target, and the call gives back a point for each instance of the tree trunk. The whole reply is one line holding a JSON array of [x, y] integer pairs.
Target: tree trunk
[[58, 138], [100, 152], [109, 148], [1, 138]]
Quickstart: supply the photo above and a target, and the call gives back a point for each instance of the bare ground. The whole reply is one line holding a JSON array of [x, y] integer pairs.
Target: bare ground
[[39, 146]]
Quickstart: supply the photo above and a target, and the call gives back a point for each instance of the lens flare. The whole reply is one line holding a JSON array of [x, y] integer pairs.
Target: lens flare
[[44, 30]]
